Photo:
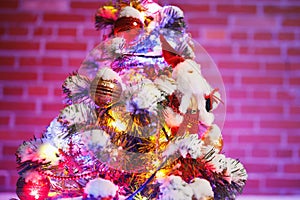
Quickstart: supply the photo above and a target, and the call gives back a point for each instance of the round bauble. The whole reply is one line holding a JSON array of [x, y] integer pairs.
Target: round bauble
[[30, 190], [106, 92]]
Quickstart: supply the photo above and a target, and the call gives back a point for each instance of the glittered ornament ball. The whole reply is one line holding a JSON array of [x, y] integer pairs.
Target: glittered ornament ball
[[30, 190]]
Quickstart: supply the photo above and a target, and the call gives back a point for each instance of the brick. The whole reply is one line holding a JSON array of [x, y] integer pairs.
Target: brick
[[18, 76], [262, 109], [295, 110], [282, 10], [54, 76], [262, 36], [42, 31], [236, 94], [261, 168], [253, 21], [244, 50], [255, 139], [276, 66], [239, 35], [280, 124], [52, 107], [38, 90], [263, 80], [75, 61], [15, 134], [294, 139], [58, 92], [286, 36], [291, 22], [83, 5], [193, 7], [9, 4], [13, 45], [4, 120], [41, 62], [67, 32], [13, 18], [294, 81], [292, 168], [228, 79], [282, 183], [239, 65], [7, 61], [267, 51], [262, 95], [9, 150], [18, 31], [294, 51], [239, 123], [28, 120], [253, 183], [3, 180], [285, 95], [66, 46], [13, 90], [17, 106], [284, 153], [46, 5], [9, 164], [218, 49], [208, 21], [236, 153], [215, 34], [55, 17], [241, 9], [91, 33], [261, 152]]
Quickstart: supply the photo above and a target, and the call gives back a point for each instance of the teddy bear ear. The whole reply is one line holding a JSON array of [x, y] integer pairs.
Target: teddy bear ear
[[169, 53]]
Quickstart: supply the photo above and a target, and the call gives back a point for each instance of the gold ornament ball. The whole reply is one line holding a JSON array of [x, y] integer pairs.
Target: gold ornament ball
[[105, 92]]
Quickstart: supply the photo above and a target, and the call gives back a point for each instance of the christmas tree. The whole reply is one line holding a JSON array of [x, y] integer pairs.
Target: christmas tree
[[138, 121]]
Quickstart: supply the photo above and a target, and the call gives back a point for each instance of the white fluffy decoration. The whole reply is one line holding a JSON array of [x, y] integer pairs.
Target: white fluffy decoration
[[201, 188], [174, 188], [236, 171], [189, 144], [192, 85], [166, 84], [147, 96], [129, 11], [95, 138], [100, 188], [115, 46], [219, 163]]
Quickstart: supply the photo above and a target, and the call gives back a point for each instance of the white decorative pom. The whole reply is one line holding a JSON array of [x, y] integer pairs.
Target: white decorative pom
[[174, 188], [77, 114], [201, 188], [166, 84], [95, 139], [189, 144], [129, 11], [100, 188], [219, 163]]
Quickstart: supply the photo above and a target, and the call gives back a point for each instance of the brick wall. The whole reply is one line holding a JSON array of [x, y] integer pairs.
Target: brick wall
[[255, 43]]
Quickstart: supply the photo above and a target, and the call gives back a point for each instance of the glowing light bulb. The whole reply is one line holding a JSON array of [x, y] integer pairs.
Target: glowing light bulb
[[49, 153]]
